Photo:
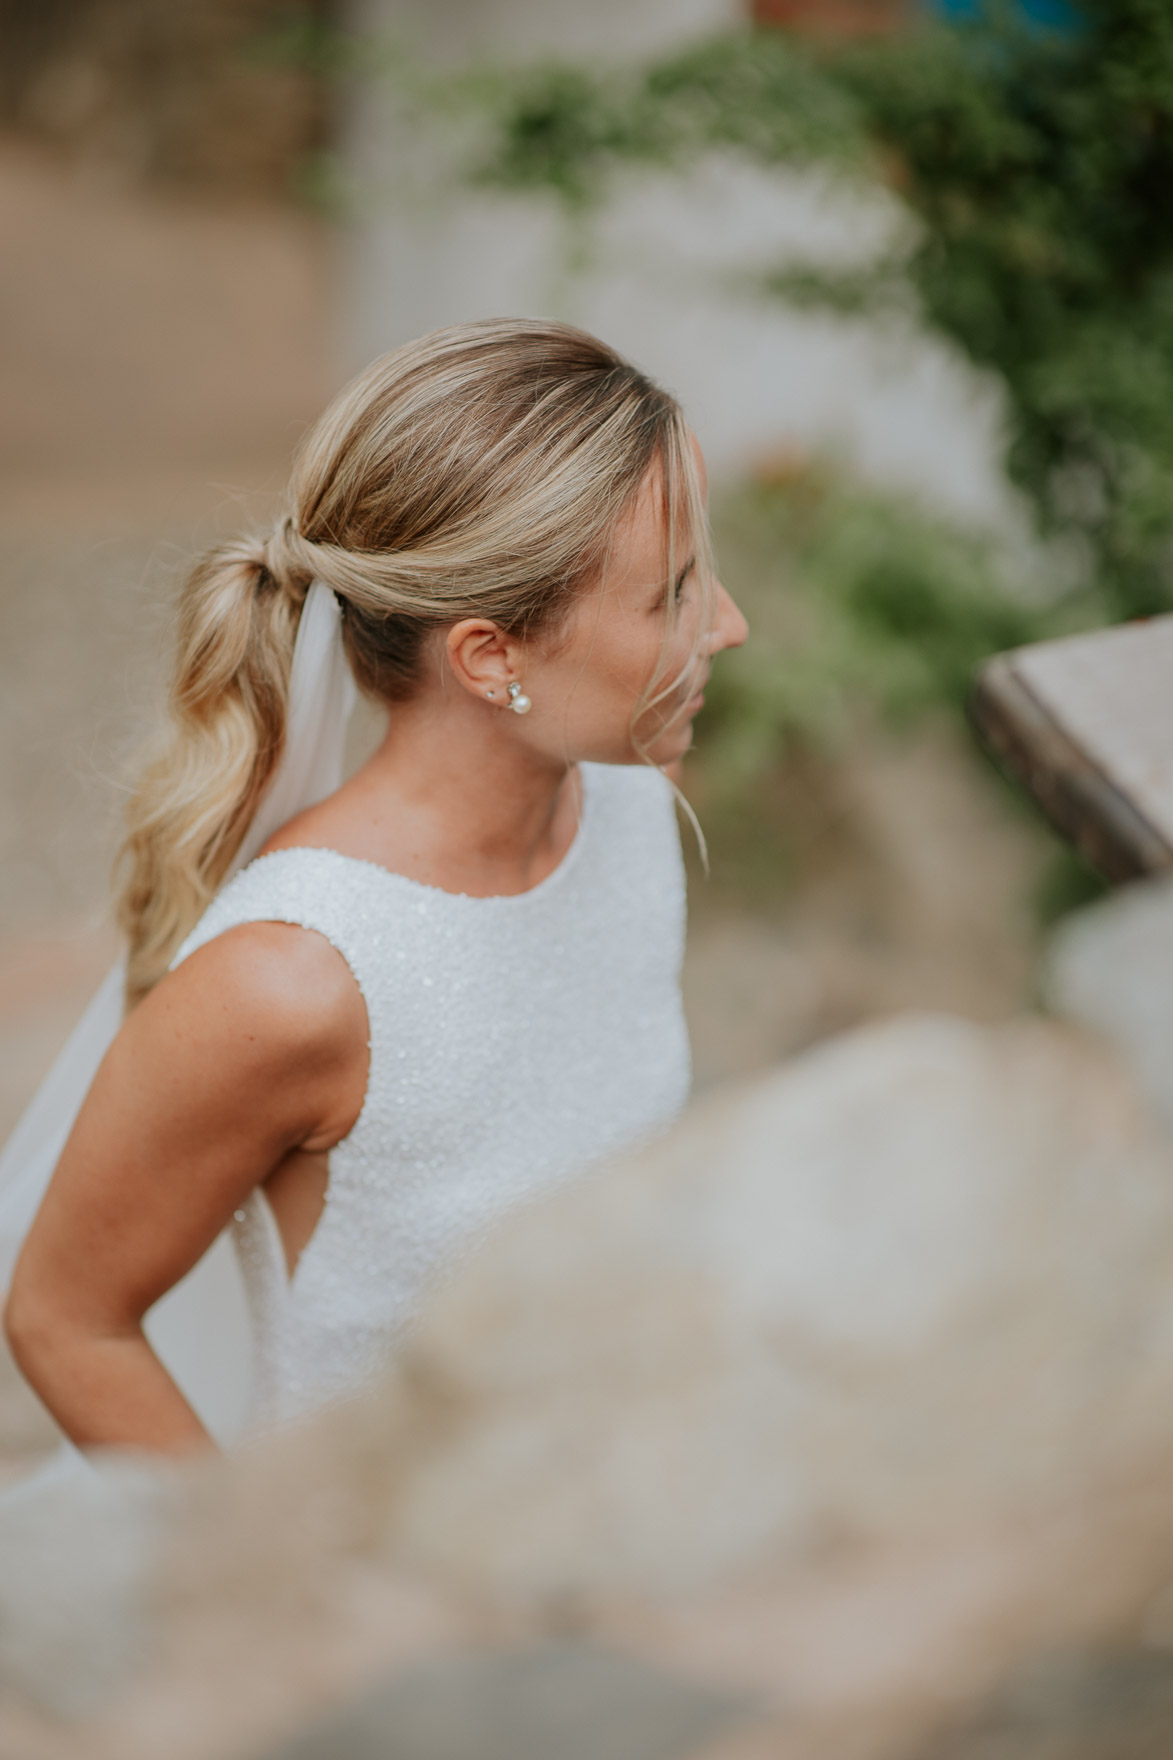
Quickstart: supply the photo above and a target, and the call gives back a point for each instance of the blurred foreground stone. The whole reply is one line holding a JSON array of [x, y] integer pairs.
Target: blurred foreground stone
[[1111, 968], [1116, 1705], [818, 1420], [922, 1274], [573, 1701], [76, 1548]]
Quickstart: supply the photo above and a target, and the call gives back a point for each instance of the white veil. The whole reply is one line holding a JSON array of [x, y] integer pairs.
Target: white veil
[[200, 1328]]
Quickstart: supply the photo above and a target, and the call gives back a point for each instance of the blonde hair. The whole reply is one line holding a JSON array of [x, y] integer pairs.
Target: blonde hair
[[478, 472]]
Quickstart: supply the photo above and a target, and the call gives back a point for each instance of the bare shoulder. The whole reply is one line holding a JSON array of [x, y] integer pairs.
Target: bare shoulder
[[278, 987], [262, 1030]]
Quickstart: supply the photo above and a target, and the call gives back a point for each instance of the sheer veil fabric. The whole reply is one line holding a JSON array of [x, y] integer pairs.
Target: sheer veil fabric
[[200, 1328]]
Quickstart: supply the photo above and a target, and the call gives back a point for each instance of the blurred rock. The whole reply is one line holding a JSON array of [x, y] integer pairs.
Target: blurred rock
[[844, 1400], [573, 1701], [1110, 967], [78, 1544], [921, 1276], [1113, 1706]]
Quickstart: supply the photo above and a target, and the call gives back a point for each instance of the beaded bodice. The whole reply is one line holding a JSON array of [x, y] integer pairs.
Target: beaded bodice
[[513, 1040]]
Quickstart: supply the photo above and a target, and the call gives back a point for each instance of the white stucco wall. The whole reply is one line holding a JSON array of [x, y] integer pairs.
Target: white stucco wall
[[669, 268]]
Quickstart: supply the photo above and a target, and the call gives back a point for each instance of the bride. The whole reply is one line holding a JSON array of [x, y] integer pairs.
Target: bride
[[360, 1027]]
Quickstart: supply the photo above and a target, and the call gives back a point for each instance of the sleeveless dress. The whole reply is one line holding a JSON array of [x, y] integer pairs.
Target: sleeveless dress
[[513, 1041]]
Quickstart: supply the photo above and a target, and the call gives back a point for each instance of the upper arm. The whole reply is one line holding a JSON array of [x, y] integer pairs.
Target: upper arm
[[253, 1046]]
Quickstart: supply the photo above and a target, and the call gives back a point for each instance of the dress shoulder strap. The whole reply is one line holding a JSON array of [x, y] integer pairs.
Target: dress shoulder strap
[[313, 888]]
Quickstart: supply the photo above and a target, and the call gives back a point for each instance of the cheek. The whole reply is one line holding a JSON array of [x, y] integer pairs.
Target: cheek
[[680, 651], [615, 656], [660, 660], [627, 655], [684, 641]]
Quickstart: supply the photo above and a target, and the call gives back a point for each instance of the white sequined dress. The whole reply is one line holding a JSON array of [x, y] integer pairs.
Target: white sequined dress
[[513, 1041]]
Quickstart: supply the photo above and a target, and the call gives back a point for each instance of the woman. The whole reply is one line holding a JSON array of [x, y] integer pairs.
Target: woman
[[455, 979]]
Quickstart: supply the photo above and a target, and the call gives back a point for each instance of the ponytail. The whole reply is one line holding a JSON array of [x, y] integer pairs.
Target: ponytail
[[228, 705]]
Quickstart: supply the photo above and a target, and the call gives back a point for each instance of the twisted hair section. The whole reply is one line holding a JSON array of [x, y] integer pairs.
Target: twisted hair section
[[197, 793], [478, 472]]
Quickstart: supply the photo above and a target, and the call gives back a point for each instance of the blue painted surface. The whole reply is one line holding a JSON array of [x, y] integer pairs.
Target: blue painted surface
[[1051, 14]]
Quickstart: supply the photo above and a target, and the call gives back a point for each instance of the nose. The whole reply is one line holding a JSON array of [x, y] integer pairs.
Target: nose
[[729, 626]]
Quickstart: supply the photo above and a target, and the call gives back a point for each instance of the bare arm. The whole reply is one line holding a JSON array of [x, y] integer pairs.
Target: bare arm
[[255, 1046]]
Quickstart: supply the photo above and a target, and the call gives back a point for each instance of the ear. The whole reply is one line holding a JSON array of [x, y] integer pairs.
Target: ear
[[482, 657]]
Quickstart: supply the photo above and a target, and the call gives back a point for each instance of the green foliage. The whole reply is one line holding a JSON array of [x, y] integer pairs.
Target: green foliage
[[857, 602], [865, 613], [300, 37], [1040, 170], [1066, 883], [567, 129]]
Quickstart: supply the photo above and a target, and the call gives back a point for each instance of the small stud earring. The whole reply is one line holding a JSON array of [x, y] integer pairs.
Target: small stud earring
[[490, 693], [518, 702]]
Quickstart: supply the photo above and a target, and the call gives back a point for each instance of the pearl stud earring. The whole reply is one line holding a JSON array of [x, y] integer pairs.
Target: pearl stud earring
[[518, 701]]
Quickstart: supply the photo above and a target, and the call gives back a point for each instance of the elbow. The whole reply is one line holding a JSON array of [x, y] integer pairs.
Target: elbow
[[46, 1325], [33, 1325], [21, 1326]]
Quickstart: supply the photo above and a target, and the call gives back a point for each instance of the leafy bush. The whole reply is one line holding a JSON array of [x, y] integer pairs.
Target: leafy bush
[[865, 612], [1039, 169], [855, 598]]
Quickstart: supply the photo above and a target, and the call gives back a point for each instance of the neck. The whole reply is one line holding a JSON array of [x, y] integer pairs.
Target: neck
[[455, 796]]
